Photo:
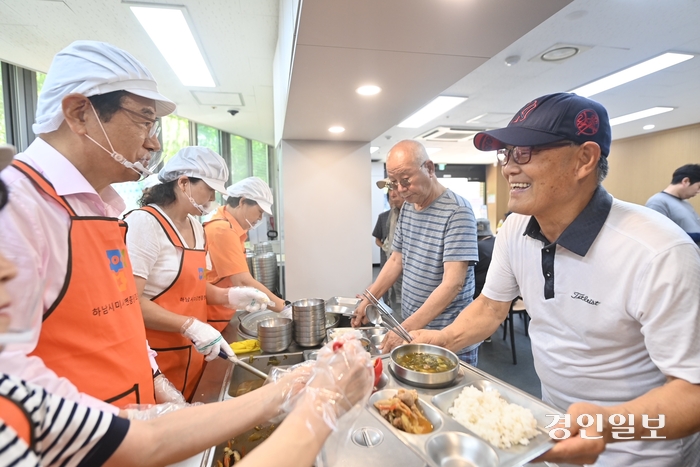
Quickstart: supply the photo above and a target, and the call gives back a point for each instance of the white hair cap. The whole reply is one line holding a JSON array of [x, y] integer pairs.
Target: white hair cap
[[255, 189], [198, 162], [91, 68]]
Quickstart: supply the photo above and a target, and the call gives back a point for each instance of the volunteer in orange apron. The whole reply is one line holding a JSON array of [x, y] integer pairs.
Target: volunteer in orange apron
[[226, 234], [167, 249]]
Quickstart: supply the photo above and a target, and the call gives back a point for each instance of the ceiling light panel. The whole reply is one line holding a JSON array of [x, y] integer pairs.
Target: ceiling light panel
[[639, 115], [630, 74], [437, 107], [336, 129], [169, 30], [369, 90]]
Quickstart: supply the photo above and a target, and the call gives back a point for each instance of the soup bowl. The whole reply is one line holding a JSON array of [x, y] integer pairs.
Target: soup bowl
[[421, 379]]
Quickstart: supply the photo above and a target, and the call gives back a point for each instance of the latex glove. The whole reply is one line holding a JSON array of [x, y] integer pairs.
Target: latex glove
[[206, 339], [150, 411], [247, 298], [166, 391], [286, 312]]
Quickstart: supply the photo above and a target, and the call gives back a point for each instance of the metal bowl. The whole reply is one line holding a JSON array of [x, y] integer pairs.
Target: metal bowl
[[424, 380]]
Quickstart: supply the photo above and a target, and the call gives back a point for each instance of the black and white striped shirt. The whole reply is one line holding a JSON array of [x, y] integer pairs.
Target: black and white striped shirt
[[66, 433]]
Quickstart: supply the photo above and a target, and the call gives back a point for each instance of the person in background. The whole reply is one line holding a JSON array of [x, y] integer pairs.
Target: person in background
[[434, 246], [611, 287], [166, 246], [97, 123], [384, 236], [226, 235], [485, 243], [673, 203]]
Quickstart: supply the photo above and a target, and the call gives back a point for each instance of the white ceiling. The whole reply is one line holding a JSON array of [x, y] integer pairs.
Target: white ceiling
[[414, 49]]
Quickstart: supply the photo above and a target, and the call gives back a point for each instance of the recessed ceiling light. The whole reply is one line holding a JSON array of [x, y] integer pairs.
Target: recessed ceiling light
[[373, 149], [336, 129], [434, 109], [369, 90], [630, 74], [648, 127], [169, 30], [560, 53], [638, 115], [512, 60]]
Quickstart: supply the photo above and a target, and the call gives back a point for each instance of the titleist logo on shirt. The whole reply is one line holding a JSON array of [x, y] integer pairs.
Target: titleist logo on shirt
[[583, 297]]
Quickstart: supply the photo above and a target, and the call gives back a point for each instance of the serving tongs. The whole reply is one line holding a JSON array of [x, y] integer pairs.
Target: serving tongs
[[385, 318]]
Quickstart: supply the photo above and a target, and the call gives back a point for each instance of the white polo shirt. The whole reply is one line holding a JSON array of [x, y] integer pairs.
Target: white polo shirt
[[615, 307]]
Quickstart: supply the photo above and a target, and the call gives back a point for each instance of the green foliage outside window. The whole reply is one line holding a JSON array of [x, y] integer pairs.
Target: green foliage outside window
[[260, 163], [176, 135], [3, 138], [239, 158], [209, 138], [40, 77]]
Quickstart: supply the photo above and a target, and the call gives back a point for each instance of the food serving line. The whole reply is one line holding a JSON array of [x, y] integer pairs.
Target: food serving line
[[371, 439]]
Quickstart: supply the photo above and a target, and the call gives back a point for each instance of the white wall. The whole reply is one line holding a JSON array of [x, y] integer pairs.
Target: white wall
[[327, 218]]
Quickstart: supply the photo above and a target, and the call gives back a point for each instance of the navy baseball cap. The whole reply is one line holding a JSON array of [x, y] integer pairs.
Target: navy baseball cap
[[549, 119]]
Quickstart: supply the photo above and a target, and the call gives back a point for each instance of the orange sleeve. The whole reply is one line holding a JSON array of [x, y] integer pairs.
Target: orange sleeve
[[226, 252]]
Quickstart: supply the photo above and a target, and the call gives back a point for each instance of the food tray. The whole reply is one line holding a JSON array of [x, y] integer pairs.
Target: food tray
[[451, 441], [373, 334]]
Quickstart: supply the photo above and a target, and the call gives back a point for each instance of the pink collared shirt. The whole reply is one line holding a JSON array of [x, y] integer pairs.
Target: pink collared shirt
[[34, 236]]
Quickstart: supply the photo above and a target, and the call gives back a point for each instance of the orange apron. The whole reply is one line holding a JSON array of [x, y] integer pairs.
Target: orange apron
[[16, 417], [218, 316], [178, 358], [93, 334]]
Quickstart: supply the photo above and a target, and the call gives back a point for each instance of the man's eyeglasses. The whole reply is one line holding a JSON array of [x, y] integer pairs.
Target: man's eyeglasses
[[404, 182], [522, 154], [153, 126]]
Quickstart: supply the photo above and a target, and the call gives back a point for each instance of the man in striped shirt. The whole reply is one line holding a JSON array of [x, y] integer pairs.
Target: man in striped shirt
[[434, 246]]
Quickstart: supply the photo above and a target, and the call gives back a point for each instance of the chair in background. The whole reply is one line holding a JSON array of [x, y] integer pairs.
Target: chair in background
[[517, 307]]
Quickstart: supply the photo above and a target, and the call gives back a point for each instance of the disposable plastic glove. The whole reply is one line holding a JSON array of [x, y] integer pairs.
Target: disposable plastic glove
[[150, 411], [286, 312], [206, 339], [166, 391], [341, 379], [247, 298]]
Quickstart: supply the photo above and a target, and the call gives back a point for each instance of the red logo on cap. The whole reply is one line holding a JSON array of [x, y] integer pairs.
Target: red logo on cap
[[524, 112], [587, 122]]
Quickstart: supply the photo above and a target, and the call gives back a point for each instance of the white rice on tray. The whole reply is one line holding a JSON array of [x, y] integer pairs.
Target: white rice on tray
[[492, 418]]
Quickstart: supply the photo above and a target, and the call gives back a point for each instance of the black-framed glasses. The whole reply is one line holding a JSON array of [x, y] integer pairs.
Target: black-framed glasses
[[522, 154], [152, 125], [4, 194], [404, 182]]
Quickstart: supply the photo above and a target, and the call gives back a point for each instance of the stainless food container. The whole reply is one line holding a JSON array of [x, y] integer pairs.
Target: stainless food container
[[309, 321], [424, 380], [275, 334]]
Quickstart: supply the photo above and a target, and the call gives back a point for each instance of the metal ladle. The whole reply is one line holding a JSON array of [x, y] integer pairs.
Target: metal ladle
[[378, 315]]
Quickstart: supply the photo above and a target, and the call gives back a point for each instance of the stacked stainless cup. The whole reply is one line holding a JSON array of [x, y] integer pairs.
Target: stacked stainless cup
[[265, 269], [309, 321], [263, 247], [275, 334], [249, 255]]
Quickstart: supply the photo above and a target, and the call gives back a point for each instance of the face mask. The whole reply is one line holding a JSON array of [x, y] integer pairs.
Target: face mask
[[137, 166], [254, 226], [204, 209]]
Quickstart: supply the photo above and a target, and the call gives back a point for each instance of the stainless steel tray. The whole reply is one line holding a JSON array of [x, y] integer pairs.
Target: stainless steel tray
[[450, 440], [342, 305]]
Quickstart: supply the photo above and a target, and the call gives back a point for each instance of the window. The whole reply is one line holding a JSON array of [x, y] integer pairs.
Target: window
[[239, 158], [260, 163], [3, 137], [40, 77], [175, 135], [209, 138]]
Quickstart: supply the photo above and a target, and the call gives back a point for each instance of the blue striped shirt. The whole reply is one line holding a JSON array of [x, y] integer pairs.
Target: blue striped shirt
[[443, 232]]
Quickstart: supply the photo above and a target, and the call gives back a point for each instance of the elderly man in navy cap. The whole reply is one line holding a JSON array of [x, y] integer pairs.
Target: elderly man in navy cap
[[97, 123], [611, 287]]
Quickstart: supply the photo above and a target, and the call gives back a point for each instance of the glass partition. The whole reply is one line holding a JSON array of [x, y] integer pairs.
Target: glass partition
[[3, 137]]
